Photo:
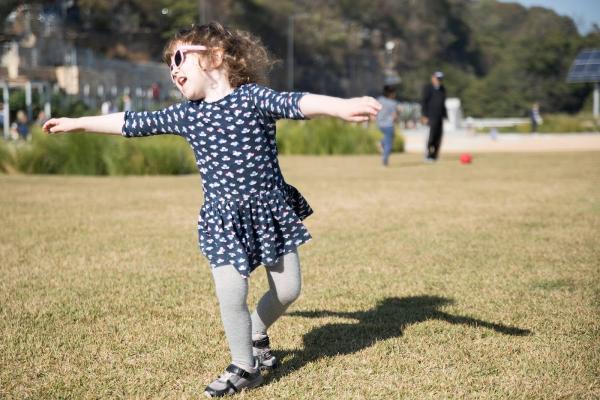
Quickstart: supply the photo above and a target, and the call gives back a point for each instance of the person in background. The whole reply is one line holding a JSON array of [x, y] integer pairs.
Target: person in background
[[155, 92], [433, 109], [386, 120], [536, 118], [41, 118], [1, 116], [20, 129], [105, 107], [127, 106]]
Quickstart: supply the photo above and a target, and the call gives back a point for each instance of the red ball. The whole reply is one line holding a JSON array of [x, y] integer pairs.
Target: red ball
[[465, 158]]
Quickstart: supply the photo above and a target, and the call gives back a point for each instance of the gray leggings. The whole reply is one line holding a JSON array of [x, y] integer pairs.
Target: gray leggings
[[232, 290]]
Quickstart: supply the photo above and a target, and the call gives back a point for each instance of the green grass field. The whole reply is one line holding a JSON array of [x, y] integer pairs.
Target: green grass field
[[421, 282]]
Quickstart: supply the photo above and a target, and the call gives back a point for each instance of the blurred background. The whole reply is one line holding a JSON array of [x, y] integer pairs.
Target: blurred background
[[69, 57], [99, 49]]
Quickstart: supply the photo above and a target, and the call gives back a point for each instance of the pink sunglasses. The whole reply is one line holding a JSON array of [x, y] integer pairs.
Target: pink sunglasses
[[179, 56]]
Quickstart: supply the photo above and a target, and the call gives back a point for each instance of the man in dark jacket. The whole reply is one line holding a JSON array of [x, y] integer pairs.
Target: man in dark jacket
[[433, 110]]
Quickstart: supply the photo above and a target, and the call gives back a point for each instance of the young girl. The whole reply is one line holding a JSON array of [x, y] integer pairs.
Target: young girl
[[250, 216]]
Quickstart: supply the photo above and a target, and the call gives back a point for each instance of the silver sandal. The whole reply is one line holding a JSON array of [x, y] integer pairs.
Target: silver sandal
[[262, 353], [234, 380]]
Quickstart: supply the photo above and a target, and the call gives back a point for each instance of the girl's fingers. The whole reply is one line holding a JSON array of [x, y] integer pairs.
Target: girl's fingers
[[50, 125], [359, 118], [368, 105], [371, 102], [377, 105], [370, 110], [373, 110]]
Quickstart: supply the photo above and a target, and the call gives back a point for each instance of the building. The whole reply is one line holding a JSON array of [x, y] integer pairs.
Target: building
[[38, 52]]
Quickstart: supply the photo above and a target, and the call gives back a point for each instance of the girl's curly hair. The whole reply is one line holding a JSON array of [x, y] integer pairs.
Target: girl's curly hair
[[244, 55]]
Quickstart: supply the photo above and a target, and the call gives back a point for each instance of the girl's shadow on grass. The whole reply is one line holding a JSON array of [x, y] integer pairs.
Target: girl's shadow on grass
[[387, 320]]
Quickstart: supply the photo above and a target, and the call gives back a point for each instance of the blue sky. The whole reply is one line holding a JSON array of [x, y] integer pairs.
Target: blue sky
[[583, 12]]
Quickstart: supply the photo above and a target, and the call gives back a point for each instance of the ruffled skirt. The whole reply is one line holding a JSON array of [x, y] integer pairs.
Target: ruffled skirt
[[259, 230]]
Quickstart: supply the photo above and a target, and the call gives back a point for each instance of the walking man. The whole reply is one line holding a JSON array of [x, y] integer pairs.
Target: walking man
[[433, 110]]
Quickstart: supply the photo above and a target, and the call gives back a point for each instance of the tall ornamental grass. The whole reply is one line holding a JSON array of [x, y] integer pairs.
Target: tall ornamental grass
[[85, 154], [329, 136], [6, 158], [164, 155], [559, 123], [79, 154], [72, 154]]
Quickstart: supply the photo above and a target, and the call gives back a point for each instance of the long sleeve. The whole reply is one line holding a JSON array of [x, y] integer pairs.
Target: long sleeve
[[425, 101], [444, 109], [276, 105], [171, 120]]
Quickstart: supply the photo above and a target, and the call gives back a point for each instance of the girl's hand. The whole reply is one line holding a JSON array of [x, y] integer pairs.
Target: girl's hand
[[108, 124], [359, 109], [57, 125]]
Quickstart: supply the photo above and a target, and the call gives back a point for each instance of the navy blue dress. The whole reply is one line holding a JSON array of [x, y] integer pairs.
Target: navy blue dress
[[250, 215]]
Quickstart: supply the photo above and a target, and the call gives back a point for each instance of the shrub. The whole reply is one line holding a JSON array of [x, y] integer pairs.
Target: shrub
[[165, 155], [62, 154], [65, 105], [6, 158], [79, 154], [558, 123], [569, 123], [85, 154], [329, 136]]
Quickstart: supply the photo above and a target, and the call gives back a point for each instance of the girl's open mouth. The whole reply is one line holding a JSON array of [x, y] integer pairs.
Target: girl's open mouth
[[181, 80]]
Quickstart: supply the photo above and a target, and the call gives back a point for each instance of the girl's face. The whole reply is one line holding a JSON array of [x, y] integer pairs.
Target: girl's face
[[190, 77]]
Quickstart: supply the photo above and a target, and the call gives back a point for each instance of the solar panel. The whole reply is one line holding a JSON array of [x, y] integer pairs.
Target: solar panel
[[585, 67], [593, 69]]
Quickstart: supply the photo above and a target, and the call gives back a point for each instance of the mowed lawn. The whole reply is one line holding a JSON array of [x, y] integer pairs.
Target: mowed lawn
[[421, 282]]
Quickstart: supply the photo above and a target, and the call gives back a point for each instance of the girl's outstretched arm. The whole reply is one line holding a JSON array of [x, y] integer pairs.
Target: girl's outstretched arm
[[357, 109], [109, 124]]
